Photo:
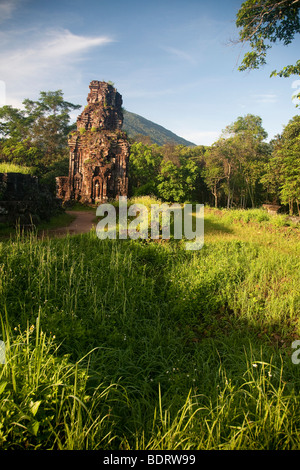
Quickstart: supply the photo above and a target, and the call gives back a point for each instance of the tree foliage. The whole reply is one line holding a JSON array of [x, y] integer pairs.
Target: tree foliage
[[144, 167], [240, 169], [177, 183], [37, 134], [171, 172], [263, 23], [284, 166], [234, 163]]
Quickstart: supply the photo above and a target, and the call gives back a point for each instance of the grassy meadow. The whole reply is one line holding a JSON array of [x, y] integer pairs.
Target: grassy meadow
[[114, 344]]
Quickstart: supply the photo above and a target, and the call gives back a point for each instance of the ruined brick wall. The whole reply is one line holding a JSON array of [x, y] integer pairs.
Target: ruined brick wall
[[24, 200], [99, 150]]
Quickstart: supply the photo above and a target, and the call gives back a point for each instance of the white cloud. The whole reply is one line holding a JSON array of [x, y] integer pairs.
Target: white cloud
[[42, 59], [63, 43], [54, 46], [7, 8], [180, 54], [265, 98]]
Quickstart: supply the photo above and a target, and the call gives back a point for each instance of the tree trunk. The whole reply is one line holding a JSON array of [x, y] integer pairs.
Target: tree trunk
[[232, 196], [215, 193], [291, 206], [228, 199], [251, 196]]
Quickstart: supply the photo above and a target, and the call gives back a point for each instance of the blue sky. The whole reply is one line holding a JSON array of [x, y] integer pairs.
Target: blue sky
[[171, 60]]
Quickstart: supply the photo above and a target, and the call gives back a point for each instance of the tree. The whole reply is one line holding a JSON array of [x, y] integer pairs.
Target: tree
[[263, 23], [234, 164], [214, 172], [144, 166], [15, 144], [177, 183], [51, 122], [13, 123], [37, 134], [247, 125], [286, 161], [271, 177], [170, 172]]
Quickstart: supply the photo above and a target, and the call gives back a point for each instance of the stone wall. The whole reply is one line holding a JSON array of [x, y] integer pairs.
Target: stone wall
[[24, 200]]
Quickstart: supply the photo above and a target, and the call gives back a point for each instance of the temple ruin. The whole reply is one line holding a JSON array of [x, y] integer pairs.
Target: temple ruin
[[99, 150]]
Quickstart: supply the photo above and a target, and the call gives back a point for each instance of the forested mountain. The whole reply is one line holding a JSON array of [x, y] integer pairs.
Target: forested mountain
[[136, 125]]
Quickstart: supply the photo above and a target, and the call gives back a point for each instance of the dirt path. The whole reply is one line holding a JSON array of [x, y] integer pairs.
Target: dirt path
[[83, 223]]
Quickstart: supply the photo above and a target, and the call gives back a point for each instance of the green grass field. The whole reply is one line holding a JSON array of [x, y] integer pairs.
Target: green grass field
[[114, 344]]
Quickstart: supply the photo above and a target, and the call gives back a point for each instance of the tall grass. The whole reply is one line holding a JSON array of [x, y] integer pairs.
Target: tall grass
[[143, 345], [258, 216], [12, 168], [46, 401], [254, 415]]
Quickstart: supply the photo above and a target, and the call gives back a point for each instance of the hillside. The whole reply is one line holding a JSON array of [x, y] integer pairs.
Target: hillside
[[135, 124]]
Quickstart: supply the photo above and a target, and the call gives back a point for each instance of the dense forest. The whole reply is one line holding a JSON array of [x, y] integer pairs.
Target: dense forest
[[241, 169]]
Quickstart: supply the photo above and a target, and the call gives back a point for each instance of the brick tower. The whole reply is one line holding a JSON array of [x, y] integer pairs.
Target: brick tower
[[99, 150]]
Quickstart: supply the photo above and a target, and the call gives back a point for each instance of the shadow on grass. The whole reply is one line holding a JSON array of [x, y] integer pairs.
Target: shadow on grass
[[212, 226], [58, 221], [158, 315], [134, 299]]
